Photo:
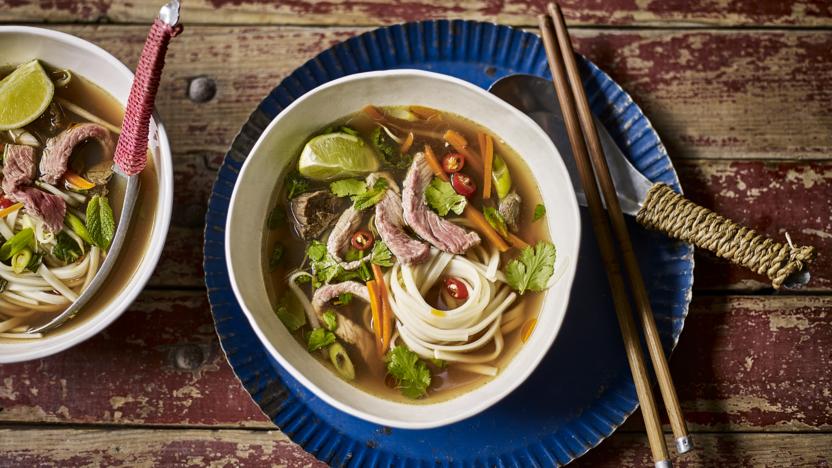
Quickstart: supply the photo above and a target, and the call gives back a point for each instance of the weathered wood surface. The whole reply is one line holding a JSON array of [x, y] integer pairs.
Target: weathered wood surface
[[362, 12], [186, 447], [765, 369]]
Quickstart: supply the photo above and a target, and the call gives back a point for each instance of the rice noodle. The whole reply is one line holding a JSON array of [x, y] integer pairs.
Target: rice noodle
[[4, 229], [94, 257], [72, 201], [307, 306], [81, 112], [56, 283], [11, 323], [481, 369], [21, 336]]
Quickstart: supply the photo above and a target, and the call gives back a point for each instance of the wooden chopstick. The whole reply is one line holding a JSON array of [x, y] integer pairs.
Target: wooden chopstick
[[619, 227], [604, 237]]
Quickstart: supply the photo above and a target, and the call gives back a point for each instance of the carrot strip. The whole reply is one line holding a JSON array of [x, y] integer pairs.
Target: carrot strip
[[376, 311], [472, 214], [386, 310], [488, 161], [373, 112], [460, 144], [408, 142], [516, 241], [527, 329], [7, 211], [424, 113], [78, 181]]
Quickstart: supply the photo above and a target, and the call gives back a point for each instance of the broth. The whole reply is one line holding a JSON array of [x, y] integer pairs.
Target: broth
[[98, 102], [452, 379]]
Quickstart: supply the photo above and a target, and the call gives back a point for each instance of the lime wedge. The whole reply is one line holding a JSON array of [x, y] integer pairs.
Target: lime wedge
[[24, 94], [336, 156], [501, 177]]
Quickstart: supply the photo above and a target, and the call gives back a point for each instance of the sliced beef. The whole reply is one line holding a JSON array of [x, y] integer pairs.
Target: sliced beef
[[510, 210], [314, 212], [58, 149], [443, 234], [49, 208], [390, 226], [347, 330], [339, 238], [18, 167]]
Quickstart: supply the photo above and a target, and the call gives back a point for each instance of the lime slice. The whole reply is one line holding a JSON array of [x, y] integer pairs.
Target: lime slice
[[24, 94], [336, 156], [501, 177]]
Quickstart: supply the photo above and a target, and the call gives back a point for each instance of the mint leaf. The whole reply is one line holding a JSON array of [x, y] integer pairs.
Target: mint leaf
[[442, 198], [410, 373], [319, 338], [100, 223], [539, 212], [347, 187], [533, 268]]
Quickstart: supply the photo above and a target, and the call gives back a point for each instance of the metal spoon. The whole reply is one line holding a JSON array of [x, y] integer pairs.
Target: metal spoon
[[131, 152]]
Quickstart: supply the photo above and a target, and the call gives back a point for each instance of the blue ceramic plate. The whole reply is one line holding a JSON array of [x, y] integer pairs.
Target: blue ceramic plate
[[581, 391]]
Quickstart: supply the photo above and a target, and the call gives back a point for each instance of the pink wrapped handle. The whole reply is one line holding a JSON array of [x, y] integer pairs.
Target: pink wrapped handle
[[131, 152]]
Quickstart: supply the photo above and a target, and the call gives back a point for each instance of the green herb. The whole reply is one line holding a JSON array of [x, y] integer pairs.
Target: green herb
[[77, 227], [353, 254], [276, 256], [326, 269], [371, 196], [290, 311], [295, 185], [539, 211], [443, 198], [349, 131], [382, 256], [389, 149], [533, 268], [495, 219], [18, 242], [34, 262], [364, 273], [21, 259], [303, 279], [348, 187], [66, 249], [411, 373], [343, 299], [439, 363], [330, 320], [319, 338], [100, 223], [277, 218], [3, 284]]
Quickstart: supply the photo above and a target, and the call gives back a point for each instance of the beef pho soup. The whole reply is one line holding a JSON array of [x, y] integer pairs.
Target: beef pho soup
[[56, 219], [408, 253]]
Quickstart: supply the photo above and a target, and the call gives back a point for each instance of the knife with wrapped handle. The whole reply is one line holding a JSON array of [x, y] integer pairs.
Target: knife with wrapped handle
[[655, 205]]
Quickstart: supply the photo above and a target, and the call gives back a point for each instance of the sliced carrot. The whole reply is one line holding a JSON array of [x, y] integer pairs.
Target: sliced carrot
[[424, 113], [373, 112], [376, 311], [516, 241], [7, 211], [527, 329], [460, 144], [471, 214], [78, 181], [386, 310], [408, 142], [487, 162]]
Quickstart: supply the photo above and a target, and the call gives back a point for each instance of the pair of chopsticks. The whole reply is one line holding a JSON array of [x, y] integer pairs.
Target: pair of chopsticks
[[592, 165]]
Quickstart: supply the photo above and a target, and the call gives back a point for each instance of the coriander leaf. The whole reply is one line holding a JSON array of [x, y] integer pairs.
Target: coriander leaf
[[330, 320], [18, 242], [353, 254], [34, 262], [364, 272], [410, 373], [443, 198], [276, 256], [66, 249], [495, 219], [319, 338], [532, 269], [290, 312], [371, 196], [343, 299], [316, 251], [381, 255], [100, 223], [295, 185], [303, 279], [539, 211], [389, 149], [347, 187], [277, 218], [326, 269]]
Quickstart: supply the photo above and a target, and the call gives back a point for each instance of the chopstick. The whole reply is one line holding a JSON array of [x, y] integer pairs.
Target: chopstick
[[616, 215], [601, 226]]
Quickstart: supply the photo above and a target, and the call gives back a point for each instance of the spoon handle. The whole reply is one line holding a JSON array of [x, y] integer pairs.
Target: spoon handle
[[131, 152]]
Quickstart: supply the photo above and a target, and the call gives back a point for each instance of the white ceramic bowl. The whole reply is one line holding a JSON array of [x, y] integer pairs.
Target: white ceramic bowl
[[20, 44], [278, 146]]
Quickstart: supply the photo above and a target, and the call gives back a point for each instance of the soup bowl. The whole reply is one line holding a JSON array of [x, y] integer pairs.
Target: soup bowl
[[269, 161], [142, 248]]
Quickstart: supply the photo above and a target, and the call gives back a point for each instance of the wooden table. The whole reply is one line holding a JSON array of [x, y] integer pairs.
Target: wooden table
[[740, 91]]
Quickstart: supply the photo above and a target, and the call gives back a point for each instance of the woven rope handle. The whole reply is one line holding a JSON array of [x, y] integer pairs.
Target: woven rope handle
[[673, 214], [131, 152]]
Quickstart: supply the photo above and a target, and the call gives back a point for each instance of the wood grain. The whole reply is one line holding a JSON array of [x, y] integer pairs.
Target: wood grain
[[743, 363], [370, 12]]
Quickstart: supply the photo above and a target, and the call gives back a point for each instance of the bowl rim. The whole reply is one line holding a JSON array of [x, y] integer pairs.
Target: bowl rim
[[55, 344], [567, 277]]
